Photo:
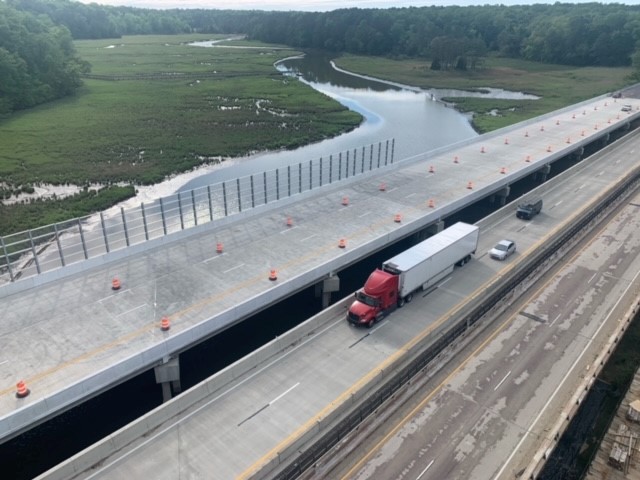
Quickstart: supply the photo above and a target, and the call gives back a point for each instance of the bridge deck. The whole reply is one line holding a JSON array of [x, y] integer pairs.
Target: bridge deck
[[265, 406], [73, 337]]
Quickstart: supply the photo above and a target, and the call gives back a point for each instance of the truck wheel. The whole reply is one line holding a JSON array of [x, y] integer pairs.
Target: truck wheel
[[401, 302], [408, 298], [371, 322]]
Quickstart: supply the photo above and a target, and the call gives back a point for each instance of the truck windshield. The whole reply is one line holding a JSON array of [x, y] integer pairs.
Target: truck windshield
[[366, 299]]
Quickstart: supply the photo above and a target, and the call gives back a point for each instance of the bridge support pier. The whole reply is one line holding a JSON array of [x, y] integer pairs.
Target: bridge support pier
[[501, 195], [168, 375], [324, 289], [434, 228], [543, 172]]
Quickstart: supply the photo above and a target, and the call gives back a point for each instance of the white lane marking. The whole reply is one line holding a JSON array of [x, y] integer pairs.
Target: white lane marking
[[557, 203], [580, 187], [128, 290], [287, 229], [364, 214], [592, 277], [411, 195], [529, 429], [3, 362], [233, 268], [425, 470], [151, 438], [212, 258], [601, 173], [554, 320], [282, 394], [307, 238], [131, 310], [502, 381]]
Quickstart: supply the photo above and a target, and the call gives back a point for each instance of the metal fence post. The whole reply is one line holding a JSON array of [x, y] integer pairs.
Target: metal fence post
[[371, 157], [340, 166], [239, 195], [144, 222], [180, 212], [264, 176], [362, 160], [224, 198], [355, 156], [164, 220], [379, 153], [124, 226], [288, 180], [104, 232], [320, 171], [210, 202], [55, 229], [393, 148], [84, 245], [386, 153], [277, 184], [310, 175], [253, 194], [330, 169], [6, 255], [346, 170], [193, 204], [35, 254]]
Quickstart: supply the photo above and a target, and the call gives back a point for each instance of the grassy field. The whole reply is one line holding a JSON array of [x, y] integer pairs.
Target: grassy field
[[154, 106], [557, 85]]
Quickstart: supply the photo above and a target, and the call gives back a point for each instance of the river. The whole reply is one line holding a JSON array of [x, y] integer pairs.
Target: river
[[413, 117]]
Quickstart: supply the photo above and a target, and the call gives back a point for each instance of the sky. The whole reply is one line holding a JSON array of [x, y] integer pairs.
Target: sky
[[323, 5]]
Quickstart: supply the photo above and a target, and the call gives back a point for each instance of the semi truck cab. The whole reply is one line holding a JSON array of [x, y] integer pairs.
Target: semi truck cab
[[378, 297]]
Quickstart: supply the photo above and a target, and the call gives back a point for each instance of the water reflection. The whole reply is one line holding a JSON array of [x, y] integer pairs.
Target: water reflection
[[412, 116]]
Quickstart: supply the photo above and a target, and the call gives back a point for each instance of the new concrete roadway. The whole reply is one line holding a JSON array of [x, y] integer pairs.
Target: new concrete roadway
[[247, 420]]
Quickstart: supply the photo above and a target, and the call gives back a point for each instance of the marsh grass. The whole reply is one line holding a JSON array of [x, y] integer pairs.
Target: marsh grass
[[557, 85]]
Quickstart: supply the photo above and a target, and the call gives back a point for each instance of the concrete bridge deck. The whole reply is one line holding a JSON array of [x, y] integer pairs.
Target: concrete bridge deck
[[257, 414], [73, 337]]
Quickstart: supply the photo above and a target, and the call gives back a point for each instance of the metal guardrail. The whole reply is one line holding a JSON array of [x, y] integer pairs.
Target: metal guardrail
[[295, 467], [55, 246]]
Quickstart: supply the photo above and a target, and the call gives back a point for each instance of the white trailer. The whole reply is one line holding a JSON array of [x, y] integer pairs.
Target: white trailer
[[428, 262]]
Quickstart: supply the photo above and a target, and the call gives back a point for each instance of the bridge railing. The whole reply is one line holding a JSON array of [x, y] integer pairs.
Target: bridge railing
[[55, 246]]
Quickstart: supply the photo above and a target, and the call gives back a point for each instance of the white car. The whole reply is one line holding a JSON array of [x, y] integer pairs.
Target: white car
[[503, 249]]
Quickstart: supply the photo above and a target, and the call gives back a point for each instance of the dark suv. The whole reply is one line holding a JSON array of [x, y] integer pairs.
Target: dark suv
[[529, 209]]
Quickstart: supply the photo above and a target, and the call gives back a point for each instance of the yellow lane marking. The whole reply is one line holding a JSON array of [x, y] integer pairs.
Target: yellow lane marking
[[464, 363], [283, 444]]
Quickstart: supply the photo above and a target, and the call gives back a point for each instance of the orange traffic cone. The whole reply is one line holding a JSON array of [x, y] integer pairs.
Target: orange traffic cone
[[470, 185], [481, 149], [431, 169], [382, 187], [342, 243], [22, 390], [568, 139], [432, 204], [526, 134], [542, 128], [503, 170], [455, 159], [506, 141], [345, 201], [219, 247], [165, 324], [528, 159], [273, 275], [289, 222], [549, 148], [115, 284], [397, 218]]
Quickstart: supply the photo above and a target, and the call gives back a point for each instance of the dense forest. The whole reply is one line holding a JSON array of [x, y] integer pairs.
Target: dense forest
[[38, 62]]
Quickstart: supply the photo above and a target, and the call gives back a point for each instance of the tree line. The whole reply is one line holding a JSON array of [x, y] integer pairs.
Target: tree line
[[38, 62]]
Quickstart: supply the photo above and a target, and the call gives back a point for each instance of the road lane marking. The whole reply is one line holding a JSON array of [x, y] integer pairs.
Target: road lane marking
[[425, 470], [364, 214], [283, 394], [592, 277], [568, 374], [131, 310], [554, 320], [307, 238], [233, 268], [502, 381], [212, 258], [264, 407]]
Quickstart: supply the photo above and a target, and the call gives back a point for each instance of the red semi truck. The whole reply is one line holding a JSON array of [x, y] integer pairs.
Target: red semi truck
[[417, 268]]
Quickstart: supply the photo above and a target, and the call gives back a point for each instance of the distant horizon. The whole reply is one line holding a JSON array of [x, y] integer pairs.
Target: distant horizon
[[326, 5]]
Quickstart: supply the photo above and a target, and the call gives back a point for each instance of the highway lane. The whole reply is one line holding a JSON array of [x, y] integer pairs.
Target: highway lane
[[244, 425], [486, 418]]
